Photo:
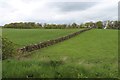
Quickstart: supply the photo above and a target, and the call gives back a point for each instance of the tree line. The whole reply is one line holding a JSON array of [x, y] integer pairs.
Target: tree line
[[32, 25], [21, 25]]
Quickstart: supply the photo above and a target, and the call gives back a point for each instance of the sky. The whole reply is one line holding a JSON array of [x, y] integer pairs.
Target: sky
[[57, 11]]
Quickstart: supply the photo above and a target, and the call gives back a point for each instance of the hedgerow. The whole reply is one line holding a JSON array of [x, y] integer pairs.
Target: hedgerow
[[8, 48]]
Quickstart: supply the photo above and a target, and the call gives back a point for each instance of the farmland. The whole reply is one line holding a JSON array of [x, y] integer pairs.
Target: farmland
[[23, 37], [91, 54]]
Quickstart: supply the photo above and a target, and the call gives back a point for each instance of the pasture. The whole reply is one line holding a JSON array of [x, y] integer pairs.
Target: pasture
[[23, 37], [91, 54]]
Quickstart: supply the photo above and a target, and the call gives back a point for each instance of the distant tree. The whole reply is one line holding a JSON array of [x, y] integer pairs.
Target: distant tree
[[99, 24], [63, 26], [87, 24], [82, 25], [39, 25], [74, 25], [116, 24]]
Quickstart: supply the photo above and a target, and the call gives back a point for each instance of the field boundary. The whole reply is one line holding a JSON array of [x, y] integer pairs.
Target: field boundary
[[44, 44]]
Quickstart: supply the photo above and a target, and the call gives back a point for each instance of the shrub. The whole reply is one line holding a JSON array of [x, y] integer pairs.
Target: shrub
[[8, 48]]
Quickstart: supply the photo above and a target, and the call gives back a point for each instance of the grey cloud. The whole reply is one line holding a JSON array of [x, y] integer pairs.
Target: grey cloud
[[72, 6], [56, 12]]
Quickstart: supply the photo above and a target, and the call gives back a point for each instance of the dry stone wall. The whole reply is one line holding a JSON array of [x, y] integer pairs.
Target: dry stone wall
[[40, 45]]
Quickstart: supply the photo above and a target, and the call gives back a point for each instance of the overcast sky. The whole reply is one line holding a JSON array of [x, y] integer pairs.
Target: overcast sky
[[57, 11]]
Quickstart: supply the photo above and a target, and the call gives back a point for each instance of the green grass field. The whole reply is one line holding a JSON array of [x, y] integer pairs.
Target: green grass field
[[23, 37], [91, 54]]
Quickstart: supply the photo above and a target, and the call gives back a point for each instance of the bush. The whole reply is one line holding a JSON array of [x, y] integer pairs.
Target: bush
[[8, 48]]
